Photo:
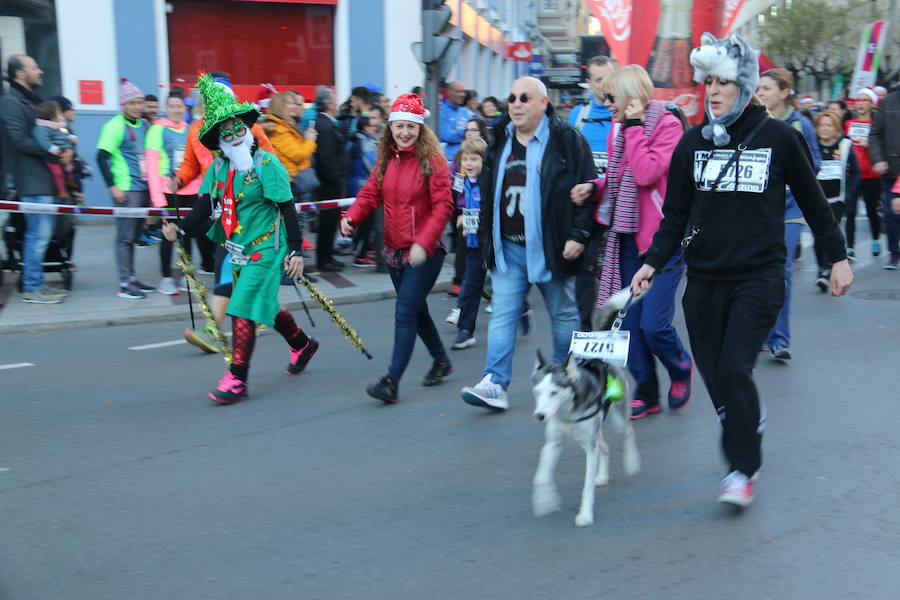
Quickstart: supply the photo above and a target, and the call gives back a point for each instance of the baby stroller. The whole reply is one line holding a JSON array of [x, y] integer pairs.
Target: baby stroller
[[57, 258]]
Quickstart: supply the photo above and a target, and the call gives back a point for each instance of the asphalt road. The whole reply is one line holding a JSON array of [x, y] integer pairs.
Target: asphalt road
[[120, 480]]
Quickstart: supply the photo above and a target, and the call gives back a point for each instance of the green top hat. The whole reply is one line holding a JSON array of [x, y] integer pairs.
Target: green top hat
[[220, 105]]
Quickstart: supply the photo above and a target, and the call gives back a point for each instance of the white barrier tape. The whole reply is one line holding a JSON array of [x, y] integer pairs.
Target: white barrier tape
[[135, 212]]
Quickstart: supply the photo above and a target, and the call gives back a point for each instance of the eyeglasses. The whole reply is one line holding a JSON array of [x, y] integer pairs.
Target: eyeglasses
[[609, 98], [524, 98], [229, 135], [473, 129]]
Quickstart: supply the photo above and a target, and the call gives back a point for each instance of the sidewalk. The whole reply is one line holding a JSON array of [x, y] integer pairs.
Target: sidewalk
[[93, 301]]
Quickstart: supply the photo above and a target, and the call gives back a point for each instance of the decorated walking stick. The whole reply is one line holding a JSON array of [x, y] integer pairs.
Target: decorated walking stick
[[190, 275], [327, 305], [180, 242]]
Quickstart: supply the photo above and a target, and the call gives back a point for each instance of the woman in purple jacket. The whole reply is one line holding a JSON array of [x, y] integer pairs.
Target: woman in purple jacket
[[630, 203]]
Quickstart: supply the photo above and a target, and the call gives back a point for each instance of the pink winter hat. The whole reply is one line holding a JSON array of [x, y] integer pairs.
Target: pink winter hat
[[128, 91]]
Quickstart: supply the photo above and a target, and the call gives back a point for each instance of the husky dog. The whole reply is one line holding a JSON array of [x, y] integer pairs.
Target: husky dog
[[573, 399]]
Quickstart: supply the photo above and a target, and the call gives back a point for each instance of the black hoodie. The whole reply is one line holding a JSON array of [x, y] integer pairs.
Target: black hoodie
[[741, 233]]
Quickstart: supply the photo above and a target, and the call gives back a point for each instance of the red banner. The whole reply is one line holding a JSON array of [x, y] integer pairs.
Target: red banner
[[730, 11]]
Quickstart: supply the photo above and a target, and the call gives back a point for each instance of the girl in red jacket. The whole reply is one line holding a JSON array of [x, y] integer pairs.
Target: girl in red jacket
[[411, 179]]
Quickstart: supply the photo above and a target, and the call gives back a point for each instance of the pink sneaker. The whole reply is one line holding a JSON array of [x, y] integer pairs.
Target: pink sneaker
[[230, 390], [640, 409], [680, 393], [737, 489]]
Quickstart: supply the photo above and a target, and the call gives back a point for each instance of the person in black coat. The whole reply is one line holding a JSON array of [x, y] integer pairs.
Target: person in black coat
[[331, 169]]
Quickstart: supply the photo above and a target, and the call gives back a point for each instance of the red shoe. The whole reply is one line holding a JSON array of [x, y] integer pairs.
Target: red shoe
[[640, 409], [454, 290], [364, 261], [307, 245], [230, 390]]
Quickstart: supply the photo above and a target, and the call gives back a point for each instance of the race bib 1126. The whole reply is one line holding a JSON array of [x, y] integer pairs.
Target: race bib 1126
[[750, 170]]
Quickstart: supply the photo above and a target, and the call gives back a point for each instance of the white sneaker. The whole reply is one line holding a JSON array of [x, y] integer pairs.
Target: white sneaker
[[490, 308], [453, 317], [486, 393], [182, 284], [167, 286], [736, 489]]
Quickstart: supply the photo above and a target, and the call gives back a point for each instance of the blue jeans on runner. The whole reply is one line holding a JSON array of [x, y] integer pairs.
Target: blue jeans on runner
[[650, 324], [891, 221], [411, 316], [38, 231], [510, 290], [781, 334]]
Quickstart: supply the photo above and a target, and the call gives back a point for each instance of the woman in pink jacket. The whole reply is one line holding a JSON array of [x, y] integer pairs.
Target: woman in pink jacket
[[630, 202]]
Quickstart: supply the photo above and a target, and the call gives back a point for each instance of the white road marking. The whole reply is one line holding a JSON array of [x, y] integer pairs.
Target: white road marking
[[15, 366], [157, 345]]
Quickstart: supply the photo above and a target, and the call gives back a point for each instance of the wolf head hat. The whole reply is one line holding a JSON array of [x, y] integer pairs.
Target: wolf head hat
[[729, 59]]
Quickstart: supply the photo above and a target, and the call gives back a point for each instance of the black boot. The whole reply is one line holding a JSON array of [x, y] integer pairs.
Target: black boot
[[384, 389], [439, 369]]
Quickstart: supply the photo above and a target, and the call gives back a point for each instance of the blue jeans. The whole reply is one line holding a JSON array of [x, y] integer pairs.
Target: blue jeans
[[781, 333], [650, 324], [891, 221], [472, 287], [38, 231], [411, 316], [510, 290]]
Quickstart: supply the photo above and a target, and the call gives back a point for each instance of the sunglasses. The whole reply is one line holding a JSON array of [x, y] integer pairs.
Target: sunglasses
[[524, 98], [229, 135], [609, 98]]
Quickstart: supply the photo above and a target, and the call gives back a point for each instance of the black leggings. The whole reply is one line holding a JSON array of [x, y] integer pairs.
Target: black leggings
[[204, 244], [871, 193]]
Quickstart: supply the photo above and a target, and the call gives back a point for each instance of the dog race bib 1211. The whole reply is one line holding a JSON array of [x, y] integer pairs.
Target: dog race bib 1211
[[751, 170], [610, 346]]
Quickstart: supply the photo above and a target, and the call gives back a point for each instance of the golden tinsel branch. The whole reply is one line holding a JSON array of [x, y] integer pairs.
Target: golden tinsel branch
[[190, 275], [327, 305]]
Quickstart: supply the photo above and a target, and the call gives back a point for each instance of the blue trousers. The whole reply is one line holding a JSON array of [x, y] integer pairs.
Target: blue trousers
[[411, 315], [781, 333], [38, 231], [650, 324]]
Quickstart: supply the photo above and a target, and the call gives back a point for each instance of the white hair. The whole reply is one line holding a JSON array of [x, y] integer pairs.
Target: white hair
[[542, 89]]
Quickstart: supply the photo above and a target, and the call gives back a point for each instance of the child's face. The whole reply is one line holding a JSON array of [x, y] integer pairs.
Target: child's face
[[471, 164]]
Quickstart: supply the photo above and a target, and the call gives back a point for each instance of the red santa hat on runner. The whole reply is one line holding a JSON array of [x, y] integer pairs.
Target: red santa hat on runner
[[870, 93], [264, 94], [409, 107], [128, 91]]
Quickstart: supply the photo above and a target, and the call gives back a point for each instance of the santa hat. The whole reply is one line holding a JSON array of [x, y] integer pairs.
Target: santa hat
[[870, 93], [880, 89], [409, 107], [264, 94], [128, 91]]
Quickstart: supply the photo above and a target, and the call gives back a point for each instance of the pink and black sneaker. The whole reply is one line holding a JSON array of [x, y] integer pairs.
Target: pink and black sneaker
[[230, 390], [300, 358], [680, 392], [640, 409]]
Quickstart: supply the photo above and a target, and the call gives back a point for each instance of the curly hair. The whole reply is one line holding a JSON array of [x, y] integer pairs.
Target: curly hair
[[427, 146]]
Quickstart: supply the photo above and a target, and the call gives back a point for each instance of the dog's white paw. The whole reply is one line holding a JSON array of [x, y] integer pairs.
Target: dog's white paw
[[601, 481], [545, 500], [583, 520]]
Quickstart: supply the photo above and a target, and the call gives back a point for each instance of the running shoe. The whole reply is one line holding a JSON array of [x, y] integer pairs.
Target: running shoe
[[737, 490], [439, 369], [680, 393], [203, 339], [384, 389], [464, 339], [130, 291], [781, 353], [41, 297], [300, 358], [230, 390], [640, 409], [167, 287], [893, 263], [822, 281], [486, 393], [453, 317], [851, 254], [876, 248], [453, 290], [55, 291], [364, 262], [143, 286]]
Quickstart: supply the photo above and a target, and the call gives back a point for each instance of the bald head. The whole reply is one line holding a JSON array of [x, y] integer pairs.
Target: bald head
[[23, 70], [528, 105]]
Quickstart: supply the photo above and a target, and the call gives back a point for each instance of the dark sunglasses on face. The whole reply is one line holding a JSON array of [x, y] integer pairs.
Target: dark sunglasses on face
[[524, 98], [609, 98]]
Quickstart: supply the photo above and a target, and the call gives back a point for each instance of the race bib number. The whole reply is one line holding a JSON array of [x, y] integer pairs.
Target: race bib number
[[859, 131], [751, 170], [177, 157], [600, 162], [610, 346], [459, 183], [234, 249], [238, 260], [142, 163], [471, 218], [830, 170]]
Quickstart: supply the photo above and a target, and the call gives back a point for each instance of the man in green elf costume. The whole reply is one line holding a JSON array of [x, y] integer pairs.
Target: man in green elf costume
[[253, 214]]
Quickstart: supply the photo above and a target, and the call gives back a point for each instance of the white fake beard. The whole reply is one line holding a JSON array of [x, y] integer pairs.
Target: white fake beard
[[239, 155]]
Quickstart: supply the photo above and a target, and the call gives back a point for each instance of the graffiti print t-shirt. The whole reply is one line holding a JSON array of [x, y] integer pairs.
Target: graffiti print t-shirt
[[512, 198]]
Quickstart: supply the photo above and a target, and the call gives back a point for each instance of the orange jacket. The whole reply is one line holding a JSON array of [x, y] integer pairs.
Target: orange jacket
[[292, 149], [197, 157]]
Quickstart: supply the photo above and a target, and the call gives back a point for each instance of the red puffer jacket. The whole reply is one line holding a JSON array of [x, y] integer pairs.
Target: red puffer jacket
[[416, 209]]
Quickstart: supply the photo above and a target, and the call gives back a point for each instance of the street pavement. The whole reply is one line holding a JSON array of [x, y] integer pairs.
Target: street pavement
[[120, 479], [93, 301]]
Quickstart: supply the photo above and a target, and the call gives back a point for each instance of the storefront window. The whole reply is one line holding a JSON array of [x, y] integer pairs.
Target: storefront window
[[33, 23]]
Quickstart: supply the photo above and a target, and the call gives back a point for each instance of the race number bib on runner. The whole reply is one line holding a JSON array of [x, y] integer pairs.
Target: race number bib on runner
[[751, 170], [177, 157], [859, 131], [459, 183], [830, 170], [611, 346], [600, 162], [234, 249], [471, 217]]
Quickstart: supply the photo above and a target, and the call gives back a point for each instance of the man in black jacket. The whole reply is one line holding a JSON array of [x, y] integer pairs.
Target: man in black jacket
[[331, 169], [26, 161], [531, 231], [884, 148]]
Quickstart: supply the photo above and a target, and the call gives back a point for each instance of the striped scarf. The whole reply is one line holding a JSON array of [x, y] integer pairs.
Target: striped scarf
[[622, 192]]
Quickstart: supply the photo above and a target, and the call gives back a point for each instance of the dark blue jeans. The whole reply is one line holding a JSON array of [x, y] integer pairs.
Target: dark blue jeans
[[411, 315], [472, 286]]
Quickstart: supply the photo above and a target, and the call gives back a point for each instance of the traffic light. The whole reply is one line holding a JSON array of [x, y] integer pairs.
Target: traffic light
[[437, 51]]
